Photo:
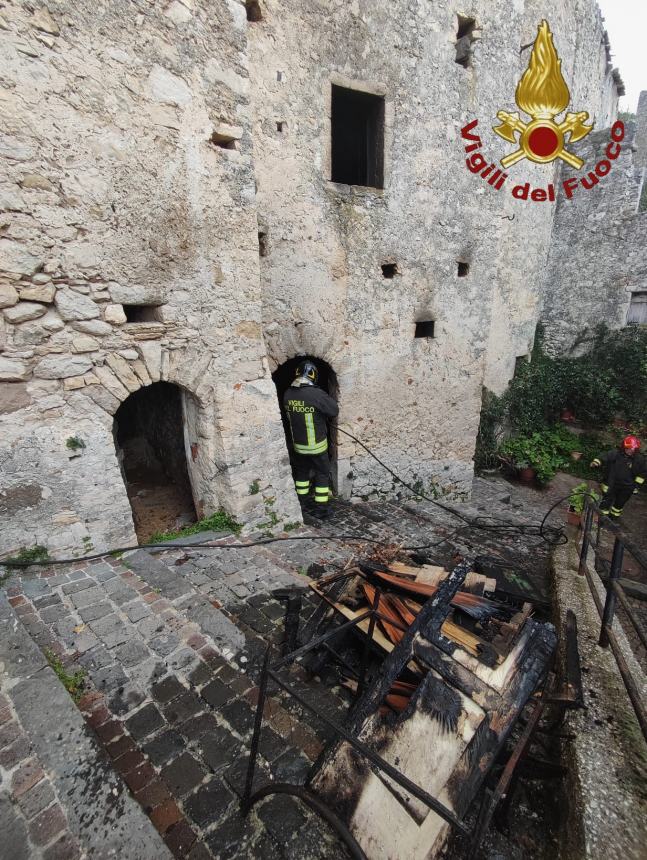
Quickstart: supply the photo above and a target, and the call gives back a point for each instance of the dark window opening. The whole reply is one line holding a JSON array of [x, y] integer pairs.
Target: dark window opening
[[390, 270], [262, 244], [280, 126], [254, 11], [149, 439], [142, 313], [519, 362], [464, 39], [637, 312], [357, 138], [284, 376], [642, 202], [463, 269], [223, 141], [425, 329], [279, 76]]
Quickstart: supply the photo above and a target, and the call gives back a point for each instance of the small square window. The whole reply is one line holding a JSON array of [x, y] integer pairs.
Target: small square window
[[425, 328], [463, 269], [390, 270], [142, 313], [638, 309], [223, 141], [357, 127]]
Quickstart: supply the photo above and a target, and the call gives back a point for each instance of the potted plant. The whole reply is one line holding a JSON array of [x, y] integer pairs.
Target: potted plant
[[576, 502], [533, 456]]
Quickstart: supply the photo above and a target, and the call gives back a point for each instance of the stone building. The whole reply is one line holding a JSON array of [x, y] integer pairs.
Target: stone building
[[597, 265], [194, 194]]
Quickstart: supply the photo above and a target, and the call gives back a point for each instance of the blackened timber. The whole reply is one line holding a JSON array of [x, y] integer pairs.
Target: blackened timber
[[467, 682], [376, 759], [428, 623]]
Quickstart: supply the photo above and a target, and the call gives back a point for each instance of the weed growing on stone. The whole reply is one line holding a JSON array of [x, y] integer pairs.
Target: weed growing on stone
[[254, 487], [35, 553], [290, 527], [74, 443], [218, 522], [74, 684]]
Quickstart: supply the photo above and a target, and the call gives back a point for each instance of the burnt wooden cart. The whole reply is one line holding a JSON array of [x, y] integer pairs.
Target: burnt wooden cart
[[397, 777]]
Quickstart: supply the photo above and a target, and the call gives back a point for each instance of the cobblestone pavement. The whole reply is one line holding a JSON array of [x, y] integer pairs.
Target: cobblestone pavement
[[171, 643]]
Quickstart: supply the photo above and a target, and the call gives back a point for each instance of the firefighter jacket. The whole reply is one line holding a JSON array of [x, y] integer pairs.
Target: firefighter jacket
[[307, 408], [619, 470]]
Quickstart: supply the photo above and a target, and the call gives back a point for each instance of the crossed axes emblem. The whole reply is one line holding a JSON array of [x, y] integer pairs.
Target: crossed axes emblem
[[542, 139]]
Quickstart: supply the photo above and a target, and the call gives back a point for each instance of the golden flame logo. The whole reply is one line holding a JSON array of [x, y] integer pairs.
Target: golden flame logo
[[542, 93]]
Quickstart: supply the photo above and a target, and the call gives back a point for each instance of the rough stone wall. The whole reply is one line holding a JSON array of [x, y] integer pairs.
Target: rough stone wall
[[598, 253], [112, 194], [141, 158], [415, 402]]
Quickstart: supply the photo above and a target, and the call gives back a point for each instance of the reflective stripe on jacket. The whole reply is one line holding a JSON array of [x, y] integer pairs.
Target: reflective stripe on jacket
[[307, 408]]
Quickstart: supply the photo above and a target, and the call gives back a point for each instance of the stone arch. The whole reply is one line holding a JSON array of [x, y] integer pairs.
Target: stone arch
[[284, 374], [152, 434]]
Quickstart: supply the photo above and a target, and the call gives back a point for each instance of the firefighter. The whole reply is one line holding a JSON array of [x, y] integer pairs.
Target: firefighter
[[308, 408], [624, 472]]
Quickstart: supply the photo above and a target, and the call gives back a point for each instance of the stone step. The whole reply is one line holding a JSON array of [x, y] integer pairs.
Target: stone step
[[60, 791]]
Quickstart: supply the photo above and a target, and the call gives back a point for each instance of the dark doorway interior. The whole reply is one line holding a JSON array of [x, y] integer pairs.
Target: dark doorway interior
[[357, 123], [149, 438], [283, 377]]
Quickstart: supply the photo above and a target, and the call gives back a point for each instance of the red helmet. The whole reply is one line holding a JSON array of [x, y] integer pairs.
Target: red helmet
[[631, 442]]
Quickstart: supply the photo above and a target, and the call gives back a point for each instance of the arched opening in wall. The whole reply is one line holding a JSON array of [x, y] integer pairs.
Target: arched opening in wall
[[284, 376], [150, 441]]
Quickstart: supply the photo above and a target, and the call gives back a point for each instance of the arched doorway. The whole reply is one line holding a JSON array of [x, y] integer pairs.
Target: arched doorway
[[283, 377], [151, 449]]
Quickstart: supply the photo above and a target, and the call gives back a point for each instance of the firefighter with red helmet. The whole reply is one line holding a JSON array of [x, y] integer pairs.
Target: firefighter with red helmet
[[624, 471], [308, 409]]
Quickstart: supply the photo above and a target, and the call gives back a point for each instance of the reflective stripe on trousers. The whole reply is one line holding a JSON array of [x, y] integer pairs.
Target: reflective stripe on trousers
[[302, 487], [322, 494]]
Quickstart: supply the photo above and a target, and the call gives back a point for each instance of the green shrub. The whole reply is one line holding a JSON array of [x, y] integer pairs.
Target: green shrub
[[544, 452], [607, 381], [578, 496]]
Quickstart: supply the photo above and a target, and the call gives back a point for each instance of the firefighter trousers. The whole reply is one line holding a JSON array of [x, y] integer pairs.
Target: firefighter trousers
[[614, 499], [317, 466]]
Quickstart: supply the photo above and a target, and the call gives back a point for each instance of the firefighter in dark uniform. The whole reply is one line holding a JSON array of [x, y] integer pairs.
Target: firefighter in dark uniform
[[624, 472], [308, 408]]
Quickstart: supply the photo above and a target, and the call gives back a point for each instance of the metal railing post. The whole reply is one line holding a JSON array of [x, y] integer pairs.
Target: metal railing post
[[610, 603], [586, 536]]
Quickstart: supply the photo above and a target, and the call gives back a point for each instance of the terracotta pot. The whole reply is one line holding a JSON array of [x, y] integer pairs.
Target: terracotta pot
[[576, 455], [573, 518], [527, 475]]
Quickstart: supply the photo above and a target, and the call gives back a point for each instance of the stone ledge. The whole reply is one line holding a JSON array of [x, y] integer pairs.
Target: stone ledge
[[608, 812]]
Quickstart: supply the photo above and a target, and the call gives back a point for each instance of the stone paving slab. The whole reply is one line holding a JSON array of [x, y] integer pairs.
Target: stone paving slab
[[172, 642], [61, 798]]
